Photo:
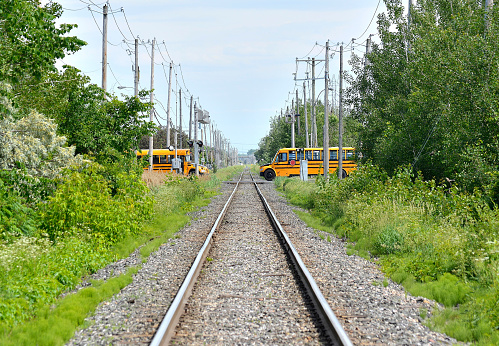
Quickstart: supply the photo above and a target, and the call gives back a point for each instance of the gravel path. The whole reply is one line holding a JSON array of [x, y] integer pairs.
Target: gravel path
[[370, 313]]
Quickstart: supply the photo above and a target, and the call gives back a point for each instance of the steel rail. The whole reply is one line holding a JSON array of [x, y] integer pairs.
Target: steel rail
[[167, 327], [332, 326]]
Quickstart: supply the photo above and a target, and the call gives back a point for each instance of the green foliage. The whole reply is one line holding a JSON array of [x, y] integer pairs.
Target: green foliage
[[429, 93], [387, 242], [16, 219], [298, 192], [31, 143], [84, 205], [34, 272], [55, 326], [96, 127], [30, 41]]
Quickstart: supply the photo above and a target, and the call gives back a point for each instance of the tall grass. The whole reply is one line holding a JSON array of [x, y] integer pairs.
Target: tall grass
[[437, 241]]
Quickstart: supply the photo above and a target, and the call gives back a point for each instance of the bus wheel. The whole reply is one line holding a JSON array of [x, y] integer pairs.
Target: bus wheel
[[269, 175], [343, 174]]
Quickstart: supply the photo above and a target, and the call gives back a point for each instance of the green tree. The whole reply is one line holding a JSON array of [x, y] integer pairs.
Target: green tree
[[30, 41], [429, 93]]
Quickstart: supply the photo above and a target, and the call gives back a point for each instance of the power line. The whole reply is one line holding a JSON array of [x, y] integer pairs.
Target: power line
[[116, 22], [376, 10], [126, 20], [74, 10], [100, 30], [110, 69]]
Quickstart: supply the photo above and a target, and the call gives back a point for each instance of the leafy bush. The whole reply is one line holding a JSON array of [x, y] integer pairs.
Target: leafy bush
[[16, 219], [389, 241], [84, 205]]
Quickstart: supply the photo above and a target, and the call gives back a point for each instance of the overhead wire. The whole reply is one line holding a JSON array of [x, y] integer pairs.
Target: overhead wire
[[116, 22], [126, 20], [374, 14]]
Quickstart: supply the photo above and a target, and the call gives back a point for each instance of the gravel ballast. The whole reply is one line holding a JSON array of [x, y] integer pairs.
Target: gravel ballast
[[370, 313]]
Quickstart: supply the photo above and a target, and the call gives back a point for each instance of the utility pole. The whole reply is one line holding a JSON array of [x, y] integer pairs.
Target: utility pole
[[292, 115], [314, 116], [307, 143], [168, 107], [151, 114], [104, 48], [195, 146], [205, 144], [136, 74], [180, 112], [340, 119], [326, 115], [368, 49], [298, 111], [190, 119]]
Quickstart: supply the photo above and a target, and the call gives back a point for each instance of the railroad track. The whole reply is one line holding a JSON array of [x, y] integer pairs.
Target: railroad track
[[249, 284]]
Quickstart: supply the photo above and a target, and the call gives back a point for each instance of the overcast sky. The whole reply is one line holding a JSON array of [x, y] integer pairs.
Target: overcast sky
[[237, 58]]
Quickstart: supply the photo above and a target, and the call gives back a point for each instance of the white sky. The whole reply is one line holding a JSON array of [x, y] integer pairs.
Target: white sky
[[237, 57]]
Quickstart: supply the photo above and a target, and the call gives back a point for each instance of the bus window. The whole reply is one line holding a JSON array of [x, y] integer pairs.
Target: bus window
[[316, 155], [155, 159], [292, 155], [162, 159], [308, 155], [283, 157], [300, 156], [333, 155], [350, 154]]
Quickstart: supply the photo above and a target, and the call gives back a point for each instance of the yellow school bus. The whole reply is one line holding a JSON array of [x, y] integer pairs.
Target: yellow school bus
[[162, 161], [286, 162]]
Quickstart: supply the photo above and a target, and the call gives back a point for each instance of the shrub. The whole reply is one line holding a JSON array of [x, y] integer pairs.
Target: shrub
[[16, 219], [83, 205], [389, 241]]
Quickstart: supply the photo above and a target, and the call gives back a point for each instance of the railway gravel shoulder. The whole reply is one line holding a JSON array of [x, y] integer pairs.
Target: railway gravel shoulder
[[370, 313], [247, 292]]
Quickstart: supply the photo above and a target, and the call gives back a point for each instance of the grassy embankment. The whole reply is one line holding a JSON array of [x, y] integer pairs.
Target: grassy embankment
[[437, 241], [37, 269]]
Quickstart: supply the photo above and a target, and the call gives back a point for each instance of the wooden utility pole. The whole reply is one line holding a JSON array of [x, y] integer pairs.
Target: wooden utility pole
[[195, 146], [298, 111], [206, 143], [151, 114], [340, 119], [368, 49], [307, 143], [314, 117], [326, 116], [136, 74], [168, 107], [190, 118], [292, 115], [104, 48], [180, 112]]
